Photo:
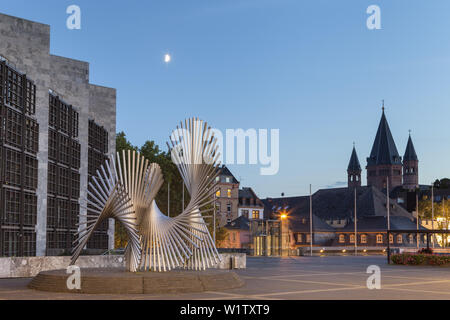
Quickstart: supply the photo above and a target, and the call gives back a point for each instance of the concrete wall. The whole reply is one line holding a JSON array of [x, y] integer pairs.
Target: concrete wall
[[31, 266], [26, 45]]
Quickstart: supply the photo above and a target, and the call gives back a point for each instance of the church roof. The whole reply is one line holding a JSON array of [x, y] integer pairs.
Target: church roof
[[354, 165], [384, 150], [338, 203], [410, 152]]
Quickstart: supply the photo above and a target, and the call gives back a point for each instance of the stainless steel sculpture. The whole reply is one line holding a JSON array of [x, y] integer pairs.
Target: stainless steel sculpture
[[125, 188]]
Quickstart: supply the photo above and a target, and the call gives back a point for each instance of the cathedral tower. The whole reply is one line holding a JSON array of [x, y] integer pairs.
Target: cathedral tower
[[410, 167], [384, 163], [354, 170]]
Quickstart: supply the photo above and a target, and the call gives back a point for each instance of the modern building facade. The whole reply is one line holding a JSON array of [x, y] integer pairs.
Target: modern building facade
[[56, 129]]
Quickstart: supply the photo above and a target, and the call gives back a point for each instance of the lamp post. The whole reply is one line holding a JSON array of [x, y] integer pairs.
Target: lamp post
[[310, 220], [432, 212], [356, 231], [388, 222], [417, 220]]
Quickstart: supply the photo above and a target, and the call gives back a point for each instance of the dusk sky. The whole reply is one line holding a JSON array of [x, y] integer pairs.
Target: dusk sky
[[309, 68]]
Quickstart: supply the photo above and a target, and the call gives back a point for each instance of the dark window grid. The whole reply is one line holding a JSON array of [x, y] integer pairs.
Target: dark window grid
[[52, 145], [13, 130], [11, 210], [32, 136], [31, 172], [60, 239], [95, 161], [11, 242], [51, 212], [75, 185], [63, 181], [29, 243], [2, 82], [52, 179], [63, 117], [30, 210], [76, 154], [64, 149], [13, 126], [14, 94], [75, 213], [30, 97], [13, 160], [98, 137]]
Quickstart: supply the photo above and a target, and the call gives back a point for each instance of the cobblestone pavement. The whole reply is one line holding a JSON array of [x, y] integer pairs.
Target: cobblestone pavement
[[332, 277]]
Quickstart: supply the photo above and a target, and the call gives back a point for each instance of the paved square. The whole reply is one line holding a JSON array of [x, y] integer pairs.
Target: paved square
[[302, 278]]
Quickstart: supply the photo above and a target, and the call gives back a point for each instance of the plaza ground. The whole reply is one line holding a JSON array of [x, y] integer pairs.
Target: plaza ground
[[303, 278]]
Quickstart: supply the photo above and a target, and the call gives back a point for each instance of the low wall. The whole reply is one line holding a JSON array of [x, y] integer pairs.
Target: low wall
[[26, 267]]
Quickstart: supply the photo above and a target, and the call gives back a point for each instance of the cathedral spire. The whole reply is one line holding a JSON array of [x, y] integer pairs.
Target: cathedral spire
[[384, 162], [354, 170]]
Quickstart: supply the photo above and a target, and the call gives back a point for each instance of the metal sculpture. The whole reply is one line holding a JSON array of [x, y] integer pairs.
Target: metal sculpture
[[125, 188]]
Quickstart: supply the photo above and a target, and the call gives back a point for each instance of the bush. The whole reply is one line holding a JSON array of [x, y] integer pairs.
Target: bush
[[426, 251], [420, 259]]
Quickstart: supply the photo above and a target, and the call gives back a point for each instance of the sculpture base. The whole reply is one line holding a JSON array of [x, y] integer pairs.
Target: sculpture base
[[119, 281]]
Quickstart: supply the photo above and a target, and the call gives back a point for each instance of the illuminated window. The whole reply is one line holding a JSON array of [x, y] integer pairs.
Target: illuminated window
[[255, 214], [308, 238], [341, 238], [228, 179], [399, 239], [364, 238], [299, 237], [411, 238], [379, 238], [229, 193], [352, 238], [391, 238], [218, 193]]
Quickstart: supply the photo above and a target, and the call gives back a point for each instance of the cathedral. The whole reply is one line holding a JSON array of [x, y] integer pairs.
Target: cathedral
[[385, 167]]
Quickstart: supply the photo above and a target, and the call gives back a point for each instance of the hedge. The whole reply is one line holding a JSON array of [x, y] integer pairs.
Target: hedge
[[420, 259]]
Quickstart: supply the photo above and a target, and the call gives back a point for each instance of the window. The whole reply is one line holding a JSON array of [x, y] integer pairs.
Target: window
[[391, 238], [341, 238], [218, 193], [400, 200], [234, 236], [299, 237], [379, 238], [308, 238], [218, 206], [364, 238], [229, 193], [411, 238], [255, 214], [245, 213], [228, 207], [228, 179], [399, 239], [352, 238]]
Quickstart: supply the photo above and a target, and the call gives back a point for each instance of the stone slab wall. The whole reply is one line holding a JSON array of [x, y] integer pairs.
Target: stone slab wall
[[30, 266]]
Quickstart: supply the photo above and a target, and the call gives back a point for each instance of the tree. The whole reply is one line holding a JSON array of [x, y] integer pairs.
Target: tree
[[444, 183]]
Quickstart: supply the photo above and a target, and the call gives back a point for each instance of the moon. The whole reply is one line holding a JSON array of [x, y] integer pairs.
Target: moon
[[167, 58]]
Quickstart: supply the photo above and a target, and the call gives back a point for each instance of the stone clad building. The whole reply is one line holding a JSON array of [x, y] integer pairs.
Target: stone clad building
[[56, 129]]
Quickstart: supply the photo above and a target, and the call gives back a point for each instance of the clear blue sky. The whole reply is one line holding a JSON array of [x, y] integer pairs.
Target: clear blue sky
[[310, 68]]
